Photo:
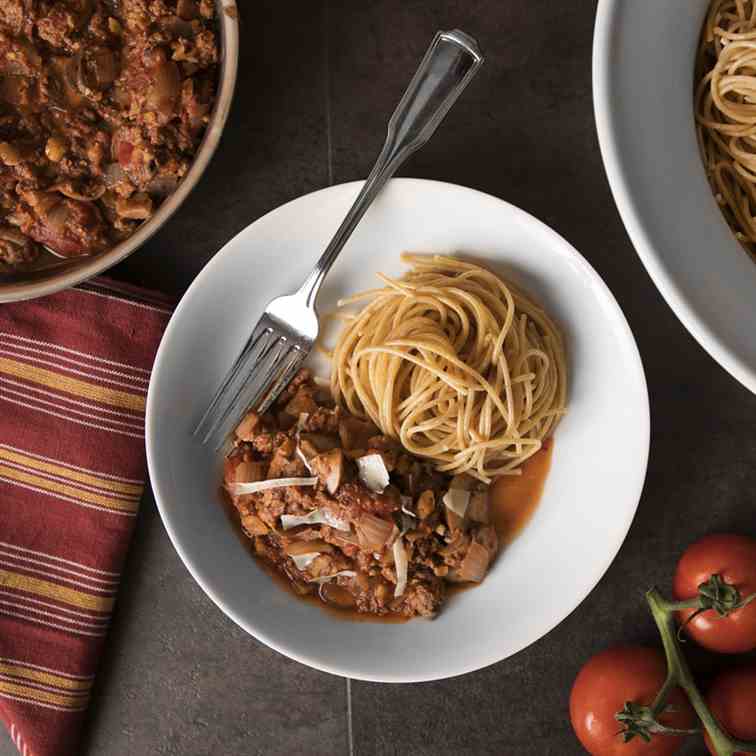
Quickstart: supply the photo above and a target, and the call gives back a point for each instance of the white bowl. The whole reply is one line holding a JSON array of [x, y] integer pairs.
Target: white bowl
[[643, 58], [599, 459]]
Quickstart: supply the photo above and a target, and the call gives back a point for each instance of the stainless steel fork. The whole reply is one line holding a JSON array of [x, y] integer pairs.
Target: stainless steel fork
[[288, 329]]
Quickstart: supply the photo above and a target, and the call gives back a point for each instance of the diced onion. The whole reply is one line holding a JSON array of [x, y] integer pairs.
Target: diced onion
[[373, 472], [328, 578], [347, 539], [401, 562], [316, 517], [374, 532], [240, 489], [457, 500], [316, 546]]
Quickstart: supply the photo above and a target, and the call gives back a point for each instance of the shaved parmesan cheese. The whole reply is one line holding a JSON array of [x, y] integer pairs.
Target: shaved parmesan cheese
[[373, 472], [303, 561], [316, 517], [457, 500], [328, 578], [302, 420], [239, 489], [301, 455], [402, 563]]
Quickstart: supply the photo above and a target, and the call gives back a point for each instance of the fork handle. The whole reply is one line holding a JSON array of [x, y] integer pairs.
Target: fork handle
[[447, 68]]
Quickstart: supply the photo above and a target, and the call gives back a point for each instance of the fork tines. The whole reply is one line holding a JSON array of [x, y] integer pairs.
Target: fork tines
[[268, 361]]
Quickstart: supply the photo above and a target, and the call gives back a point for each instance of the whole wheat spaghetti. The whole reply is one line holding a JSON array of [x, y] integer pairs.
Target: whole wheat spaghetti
[[725, 109], [457, 365]]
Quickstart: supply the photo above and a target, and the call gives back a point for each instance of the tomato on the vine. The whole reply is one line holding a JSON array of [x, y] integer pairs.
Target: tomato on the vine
[[733, 559], [602, 688], [732, 700]]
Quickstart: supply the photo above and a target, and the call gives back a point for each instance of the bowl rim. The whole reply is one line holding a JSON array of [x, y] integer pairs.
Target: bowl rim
[[151, 435], [637, 229], [228, 22]]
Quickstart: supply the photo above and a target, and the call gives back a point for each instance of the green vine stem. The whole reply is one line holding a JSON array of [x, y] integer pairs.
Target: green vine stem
[[679, 675]]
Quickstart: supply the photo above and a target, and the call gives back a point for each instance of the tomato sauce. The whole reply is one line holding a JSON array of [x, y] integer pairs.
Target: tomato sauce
[[514, 498]]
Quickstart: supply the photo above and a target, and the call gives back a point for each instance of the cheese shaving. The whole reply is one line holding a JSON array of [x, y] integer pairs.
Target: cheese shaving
[[457, 500], [239, 489], [401, 563], [301, 455], [316, 517], [373, 472]]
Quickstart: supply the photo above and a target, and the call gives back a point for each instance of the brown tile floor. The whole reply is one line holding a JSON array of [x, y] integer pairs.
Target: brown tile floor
[[317, 82]]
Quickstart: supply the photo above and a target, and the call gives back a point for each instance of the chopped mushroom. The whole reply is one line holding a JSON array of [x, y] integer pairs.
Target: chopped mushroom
[[426, 504], [301, 402], [475, 564], [245, 431], [9, 154], [253, 525], [55, 148], [250, 472], [312, 444], [329, 467], [356, 433], [477, 509]]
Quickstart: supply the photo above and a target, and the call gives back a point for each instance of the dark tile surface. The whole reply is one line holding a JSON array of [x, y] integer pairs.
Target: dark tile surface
[[317, 83], [181, 678]]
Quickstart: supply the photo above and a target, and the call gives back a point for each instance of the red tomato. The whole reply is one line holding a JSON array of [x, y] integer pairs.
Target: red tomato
[[732, 700], [606, 683], [733, 558]]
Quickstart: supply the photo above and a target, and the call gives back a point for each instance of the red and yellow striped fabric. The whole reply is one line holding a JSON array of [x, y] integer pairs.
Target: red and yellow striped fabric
[[74, 371]]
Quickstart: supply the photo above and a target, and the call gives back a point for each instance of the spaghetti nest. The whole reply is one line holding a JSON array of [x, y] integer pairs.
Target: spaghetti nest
[[725, 109], [458, 366]]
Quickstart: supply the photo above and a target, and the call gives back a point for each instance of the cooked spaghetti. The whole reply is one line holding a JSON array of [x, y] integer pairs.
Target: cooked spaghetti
[[457, 365], [725, 109]]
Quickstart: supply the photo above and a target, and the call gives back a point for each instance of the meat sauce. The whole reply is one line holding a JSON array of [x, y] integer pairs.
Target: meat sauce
[[102, 107], [387, 553]]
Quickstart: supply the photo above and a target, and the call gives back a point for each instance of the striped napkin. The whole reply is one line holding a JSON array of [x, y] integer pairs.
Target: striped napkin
[[74, 370]]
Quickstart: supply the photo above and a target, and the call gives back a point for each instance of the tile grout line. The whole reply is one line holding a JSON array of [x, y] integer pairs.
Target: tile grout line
[[350, 730], [327, 66]]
